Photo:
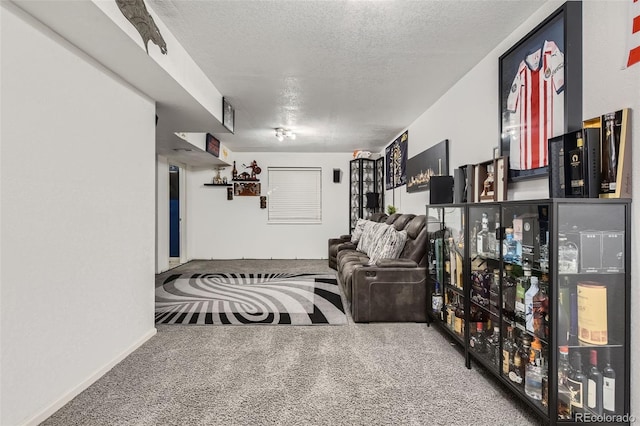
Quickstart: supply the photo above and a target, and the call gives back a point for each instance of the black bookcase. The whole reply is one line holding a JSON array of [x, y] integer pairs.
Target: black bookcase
[[578, 253], [366, 189]]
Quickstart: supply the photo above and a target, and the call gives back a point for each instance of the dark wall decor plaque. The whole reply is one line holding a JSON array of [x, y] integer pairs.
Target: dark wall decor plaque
[[396, 161], [433, 161], [228, 115]]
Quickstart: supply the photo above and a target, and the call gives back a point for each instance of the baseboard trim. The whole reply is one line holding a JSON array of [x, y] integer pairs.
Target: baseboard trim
[[64, 399]]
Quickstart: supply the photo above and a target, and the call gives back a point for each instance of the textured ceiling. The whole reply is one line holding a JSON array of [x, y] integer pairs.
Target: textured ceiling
[[343, 75]]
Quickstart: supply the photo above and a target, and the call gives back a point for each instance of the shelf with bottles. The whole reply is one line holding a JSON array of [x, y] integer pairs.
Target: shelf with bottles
[[484, 344], [525, 365], [589, 311], [454, 322], [587, 384]]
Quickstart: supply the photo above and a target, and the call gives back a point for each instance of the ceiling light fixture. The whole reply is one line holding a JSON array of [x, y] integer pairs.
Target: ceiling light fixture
[[284, 133]]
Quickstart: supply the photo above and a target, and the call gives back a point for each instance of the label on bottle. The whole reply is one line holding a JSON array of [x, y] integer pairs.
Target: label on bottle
[[592, 313], [479, 244], [609, 394], [505, 361], [515, 377], [575, 388], [591, 393], [436, 302]]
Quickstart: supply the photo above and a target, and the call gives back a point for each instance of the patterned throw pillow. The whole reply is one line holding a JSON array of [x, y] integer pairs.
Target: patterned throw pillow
[[389, 246], [357, 231], [370, 235]]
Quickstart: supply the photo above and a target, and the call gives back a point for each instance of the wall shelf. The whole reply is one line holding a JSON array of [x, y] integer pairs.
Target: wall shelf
[[217, 184]]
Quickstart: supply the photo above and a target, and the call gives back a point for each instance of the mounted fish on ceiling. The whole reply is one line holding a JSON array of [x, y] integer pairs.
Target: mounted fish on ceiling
[[136, 12]]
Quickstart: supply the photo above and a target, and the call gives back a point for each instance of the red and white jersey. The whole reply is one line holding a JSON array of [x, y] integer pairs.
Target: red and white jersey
[[633, 34], [536, 107]]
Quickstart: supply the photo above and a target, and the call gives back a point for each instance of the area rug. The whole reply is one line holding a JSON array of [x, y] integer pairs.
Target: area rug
[[225, 299]]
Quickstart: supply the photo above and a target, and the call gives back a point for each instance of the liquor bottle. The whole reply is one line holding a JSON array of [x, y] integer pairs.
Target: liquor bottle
[[509, 294], [482, 239], [563, 313], [493, 346], [594, 385], [541, 311], [453, 263], [609, 156], [494, 292], [564, 396], [573, 319], [478, 341], [522, 285], [459, 320], [528, 303], [436, 299], [508, 350], [608, 386], [509, 248], [234, 172], [577, 384], [533, 381], [525, 354], [515, 375], [576, 157], [494, 251], [545, 386], [564, 368]]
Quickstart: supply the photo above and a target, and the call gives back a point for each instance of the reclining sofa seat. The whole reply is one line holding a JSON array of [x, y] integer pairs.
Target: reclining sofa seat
[[393, 289], [335, 242]]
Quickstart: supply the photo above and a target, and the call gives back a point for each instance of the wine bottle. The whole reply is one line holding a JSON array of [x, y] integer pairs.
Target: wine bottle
[[577, 384], [594, 385], [234, 172], [608, 386]]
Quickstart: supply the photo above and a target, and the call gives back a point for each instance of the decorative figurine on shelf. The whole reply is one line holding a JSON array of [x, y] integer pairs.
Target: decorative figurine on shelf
[[255, 170], [217, 179], [488, 191]]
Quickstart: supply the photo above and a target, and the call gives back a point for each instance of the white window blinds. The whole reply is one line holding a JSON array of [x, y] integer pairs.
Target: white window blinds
[[295, 195]]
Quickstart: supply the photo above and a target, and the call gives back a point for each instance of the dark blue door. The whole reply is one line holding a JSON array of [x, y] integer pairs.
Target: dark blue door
[[174, 211]]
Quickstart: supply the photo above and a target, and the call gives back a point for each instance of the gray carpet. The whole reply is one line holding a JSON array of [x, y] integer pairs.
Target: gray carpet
[[359, 374]]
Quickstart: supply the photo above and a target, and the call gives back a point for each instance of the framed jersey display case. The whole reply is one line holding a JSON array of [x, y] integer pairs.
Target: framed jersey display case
[[540, 83]]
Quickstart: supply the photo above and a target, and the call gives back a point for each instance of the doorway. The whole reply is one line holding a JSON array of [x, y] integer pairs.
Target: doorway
[[174, 216]]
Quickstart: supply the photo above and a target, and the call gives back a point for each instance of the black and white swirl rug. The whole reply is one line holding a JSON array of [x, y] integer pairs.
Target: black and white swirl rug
[[296, 299]]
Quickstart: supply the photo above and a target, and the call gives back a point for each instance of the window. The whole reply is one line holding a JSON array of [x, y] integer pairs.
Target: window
[[295, 195]]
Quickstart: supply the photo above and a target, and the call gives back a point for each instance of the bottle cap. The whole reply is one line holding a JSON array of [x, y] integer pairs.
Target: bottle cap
[[594, 357]]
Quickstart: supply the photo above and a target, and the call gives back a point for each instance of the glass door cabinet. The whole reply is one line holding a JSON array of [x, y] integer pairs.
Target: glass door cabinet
[[540, 296], [447, 269]]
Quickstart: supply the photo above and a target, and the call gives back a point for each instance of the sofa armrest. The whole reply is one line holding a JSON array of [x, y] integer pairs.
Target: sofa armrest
[[396, 263], [346, 237], [347, 246], [389, 294]]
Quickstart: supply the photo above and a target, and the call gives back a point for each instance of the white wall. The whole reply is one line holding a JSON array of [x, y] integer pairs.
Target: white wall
[[221, 229], [608, 88], [78, 185], [467, 116], [162, 214]]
